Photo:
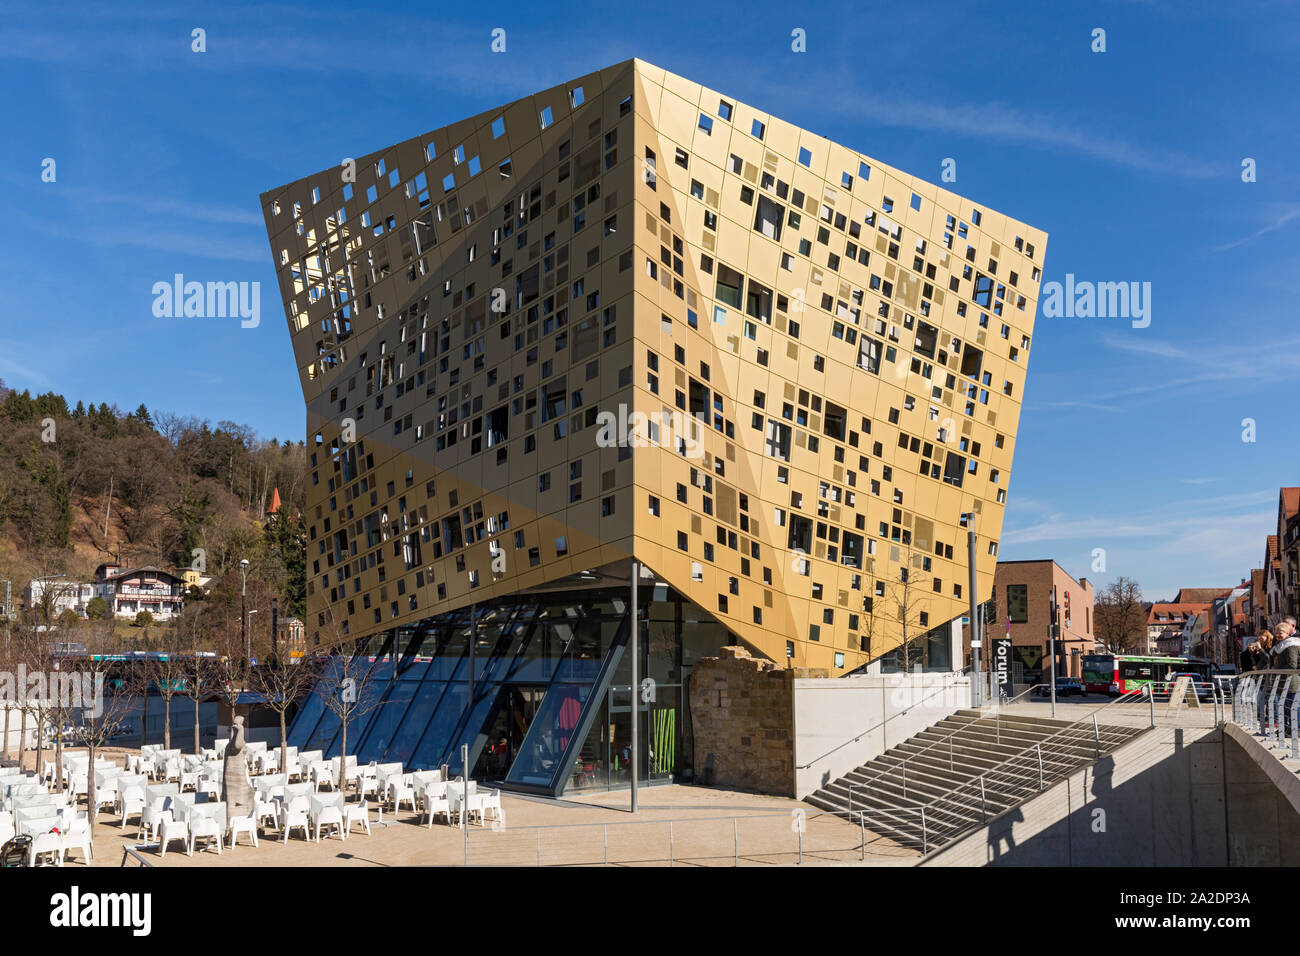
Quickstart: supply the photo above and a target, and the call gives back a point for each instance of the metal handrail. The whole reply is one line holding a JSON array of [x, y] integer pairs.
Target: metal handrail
[[996, 718], [982, 781], [1012, 700], [132, 851]]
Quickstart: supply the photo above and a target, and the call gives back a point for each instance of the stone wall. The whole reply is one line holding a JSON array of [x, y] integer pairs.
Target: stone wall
[[742, 714]]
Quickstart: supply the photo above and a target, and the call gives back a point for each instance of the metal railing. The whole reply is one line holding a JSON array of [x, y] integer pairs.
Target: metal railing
[[132, 853], [972, 729], [699, 841], [1012, 780], [1260, 703], [974, 802]]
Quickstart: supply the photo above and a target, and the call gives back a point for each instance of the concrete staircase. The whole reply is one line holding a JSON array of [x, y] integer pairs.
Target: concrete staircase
[[965, 770]]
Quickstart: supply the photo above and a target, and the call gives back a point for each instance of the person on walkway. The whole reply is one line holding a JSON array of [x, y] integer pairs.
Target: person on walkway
[[1261, 655], [1286, 657]]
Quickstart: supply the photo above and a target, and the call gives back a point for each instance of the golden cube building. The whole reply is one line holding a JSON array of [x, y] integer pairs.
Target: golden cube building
[[630, 318]]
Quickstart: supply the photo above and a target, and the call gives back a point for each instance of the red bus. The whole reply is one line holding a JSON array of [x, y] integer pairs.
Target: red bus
[[1117, 674]]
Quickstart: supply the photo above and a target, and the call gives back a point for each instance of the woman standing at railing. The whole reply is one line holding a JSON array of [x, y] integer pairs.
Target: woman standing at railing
[[1263, 646], [1286, 657]]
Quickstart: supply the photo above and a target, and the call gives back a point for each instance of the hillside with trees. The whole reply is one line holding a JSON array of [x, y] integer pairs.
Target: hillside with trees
[[85, 485]]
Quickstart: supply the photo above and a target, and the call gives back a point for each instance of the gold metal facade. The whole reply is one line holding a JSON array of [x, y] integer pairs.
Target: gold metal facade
[[632, 316]]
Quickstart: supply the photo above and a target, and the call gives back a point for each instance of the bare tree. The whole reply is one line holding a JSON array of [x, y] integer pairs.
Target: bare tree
[[347, 684], [906, 601], [104, 716], [283, 682], [197, 659], [166, 671], [1118, 617]]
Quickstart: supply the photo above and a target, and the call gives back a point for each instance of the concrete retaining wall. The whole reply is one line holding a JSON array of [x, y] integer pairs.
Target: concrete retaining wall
[[1172, 797], [842, 723]]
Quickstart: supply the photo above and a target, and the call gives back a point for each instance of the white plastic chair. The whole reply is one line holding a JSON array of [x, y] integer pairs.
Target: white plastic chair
[[321, 773], [435, 801], [169, 828], [330, 817], [130, 801], [48, 770], [399, 790], [203, 827], [78, 787], [490, 805], [293, 815], [151, 820], [43, 843], [266, 810], [77, 837], [238, 825], [356, 813]]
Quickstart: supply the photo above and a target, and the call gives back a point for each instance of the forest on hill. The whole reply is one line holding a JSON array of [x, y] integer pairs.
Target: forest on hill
[[89, 484]]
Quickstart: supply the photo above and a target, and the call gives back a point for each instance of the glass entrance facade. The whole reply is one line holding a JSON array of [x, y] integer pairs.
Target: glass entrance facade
[[536, 687]]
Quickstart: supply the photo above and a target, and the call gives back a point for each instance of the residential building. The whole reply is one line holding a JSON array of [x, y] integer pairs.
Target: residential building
[[1274, 600], [192, 578], [626, 331], [1166, 623], [1022, 597], [129, 591], [62, 593], [1257, 604], [1288, 544]]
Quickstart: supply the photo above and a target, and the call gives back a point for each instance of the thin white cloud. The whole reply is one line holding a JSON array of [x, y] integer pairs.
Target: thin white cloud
[[1283, 215]]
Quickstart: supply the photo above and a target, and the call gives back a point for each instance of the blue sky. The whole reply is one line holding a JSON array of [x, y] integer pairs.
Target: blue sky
[[1130, 439]]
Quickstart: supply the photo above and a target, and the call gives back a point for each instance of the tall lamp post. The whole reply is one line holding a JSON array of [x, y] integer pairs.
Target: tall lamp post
[[248, 647], [243, 615]]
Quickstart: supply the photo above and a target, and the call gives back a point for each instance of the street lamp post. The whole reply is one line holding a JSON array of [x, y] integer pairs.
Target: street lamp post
[[243, 615], [248, 646]]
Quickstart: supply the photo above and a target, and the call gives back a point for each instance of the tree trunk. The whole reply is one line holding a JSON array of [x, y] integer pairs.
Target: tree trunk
[[284, 745], [91, 806], [144, 712], [6, 757], [197, 749], [58, 751], [343, 755], [22, 742], [167, 722]]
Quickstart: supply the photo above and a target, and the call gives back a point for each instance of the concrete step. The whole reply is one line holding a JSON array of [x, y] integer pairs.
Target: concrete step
[[940, 769]]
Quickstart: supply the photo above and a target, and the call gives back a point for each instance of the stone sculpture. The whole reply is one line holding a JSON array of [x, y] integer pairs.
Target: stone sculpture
[[238, 787]]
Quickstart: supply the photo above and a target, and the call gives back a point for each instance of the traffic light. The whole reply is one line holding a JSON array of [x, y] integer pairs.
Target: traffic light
[[1067, 609]]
